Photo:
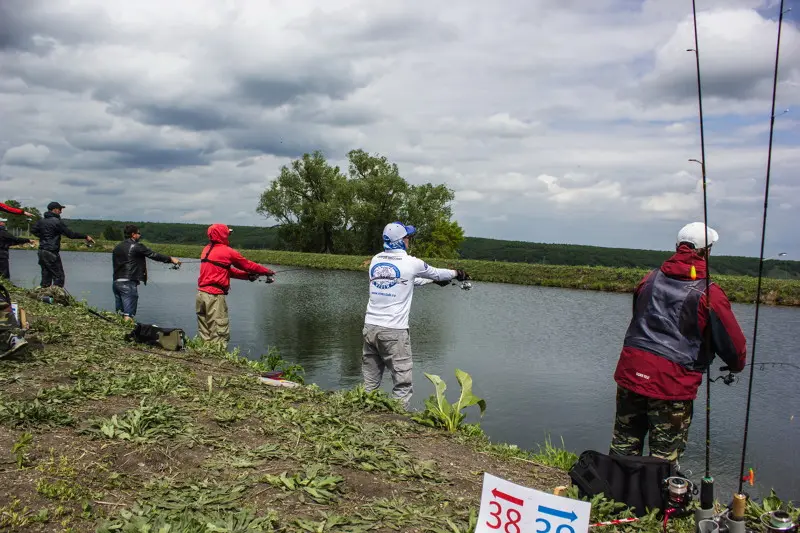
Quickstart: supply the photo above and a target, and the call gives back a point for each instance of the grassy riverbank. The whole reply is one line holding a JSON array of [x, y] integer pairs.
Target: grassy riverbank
[[97, 434], [738, 288]]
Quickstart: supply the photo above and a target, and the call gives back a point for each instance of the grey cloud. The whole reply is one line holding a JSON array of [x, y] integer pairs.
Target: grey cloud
[[33, 25], [160, 159], [115, 191], [462, 94], [249, 162], [191, 117], [273, 91], [79, 182]]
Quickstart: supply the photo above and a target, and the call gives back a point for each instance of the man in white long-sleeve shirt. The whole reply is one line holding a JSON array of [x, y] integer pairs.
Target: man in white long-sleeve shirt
[[392, 277]]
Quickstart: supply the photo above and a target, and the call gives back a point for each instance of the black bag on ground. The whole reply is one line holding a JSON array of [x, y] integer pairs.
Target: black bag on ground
[[166, 338], [634, 480]]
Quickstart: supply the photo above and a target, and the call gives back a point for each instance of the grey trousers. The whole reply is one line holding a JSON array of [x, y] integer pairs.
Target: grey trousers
[[386, 347]]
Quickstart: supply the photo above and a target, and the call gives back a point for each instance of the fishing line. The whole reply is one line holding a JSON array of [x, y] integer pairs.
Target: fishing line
[[761, 256], [707, 486]]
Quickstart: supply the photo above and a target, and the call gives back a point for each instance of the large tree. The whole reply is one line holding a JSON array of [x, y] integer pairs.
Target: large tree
[[306, 199], [320, 209], [379, 193]]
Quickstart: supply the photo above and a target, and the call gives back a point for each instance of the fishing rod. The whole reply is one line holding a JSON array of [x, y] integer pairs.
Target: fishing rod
[[738, 514], [707, 484], [196, 261]]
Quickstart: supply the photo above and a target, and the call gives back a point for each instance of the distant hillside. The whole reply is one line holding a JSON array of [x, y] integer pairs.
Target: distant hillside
[[573, 254], [255, 238], [246, 237]]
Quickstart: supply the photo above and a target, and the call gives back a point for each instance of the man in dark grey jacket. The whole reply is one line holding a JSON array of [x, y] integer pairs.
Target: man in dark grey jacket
[[49, 230], [130, 269]]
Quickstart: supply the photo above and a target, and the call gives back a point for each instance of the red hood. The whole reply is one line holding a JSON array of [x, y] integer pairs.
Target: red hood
[[219, 233], [680, 265]]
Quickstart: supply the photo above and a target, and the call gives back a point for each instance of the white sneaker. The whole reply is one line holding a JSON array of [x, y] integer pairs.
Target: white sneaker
[[15, 344]]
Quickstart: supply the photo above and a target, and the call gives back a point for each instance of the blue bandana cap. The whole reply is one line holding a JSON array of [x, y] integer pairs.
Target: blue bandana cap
[[394, 233]]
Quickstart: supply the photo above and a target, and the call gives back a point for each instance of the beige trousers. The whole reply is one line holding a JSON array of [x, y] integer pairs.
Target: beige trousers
[[213, 323]]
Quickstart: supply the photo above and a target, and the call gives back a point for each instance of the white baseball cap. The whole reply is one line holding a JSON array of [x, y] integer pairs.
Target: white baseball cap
[[696, 234], [395, 231]]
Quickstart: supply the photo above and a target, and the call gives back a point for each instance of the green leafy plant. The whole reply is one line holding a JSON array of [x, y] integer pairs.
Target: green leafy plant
[[319, 487], [440, 413], [272, 361], [376, 400], [20, 449], [32, 413], [754, 510], [554, 456], [147, 423]]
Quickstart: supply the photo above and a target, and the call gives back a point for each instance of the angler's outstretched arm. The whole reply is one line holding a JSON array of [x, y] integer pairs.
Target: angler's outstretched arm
[[727, 338], [424, 270]]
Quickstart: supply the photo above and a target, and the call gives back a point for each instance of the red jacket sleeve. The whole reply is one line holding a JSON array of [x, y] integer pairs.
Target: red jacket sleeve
[[12, 210], [727, 338], [249, 267], [238, 274]]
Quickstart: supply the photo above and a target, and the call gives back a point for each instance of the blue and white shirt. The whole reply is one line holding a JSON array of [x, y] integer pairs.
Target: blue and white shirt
[[392, 276]]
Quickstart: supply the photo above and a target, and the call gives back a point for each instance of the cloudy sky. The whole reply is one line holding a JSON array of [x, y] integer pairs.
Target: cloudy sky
[[553, 120]]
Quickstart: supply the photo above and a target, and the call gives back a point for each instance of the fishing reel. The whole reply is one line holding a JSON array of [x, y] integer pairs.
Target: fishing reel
[[678, 492], [778, 522], [465, 285], [727, 379]]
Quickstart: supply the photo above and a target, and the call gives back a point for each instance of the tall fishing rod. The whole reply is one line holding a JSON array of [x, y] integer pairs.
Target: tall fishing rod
[[761, 256], [707, 484]]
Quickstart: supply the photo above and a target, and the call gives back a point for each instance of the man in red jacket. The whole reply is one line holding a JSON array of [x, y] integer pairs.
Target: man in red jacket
[[218, 264], [664, 355]]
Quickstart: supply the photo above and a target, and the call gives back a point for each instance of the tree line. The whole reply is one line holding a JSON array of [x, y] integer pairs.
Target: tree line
[[267, 238], [320, 208]]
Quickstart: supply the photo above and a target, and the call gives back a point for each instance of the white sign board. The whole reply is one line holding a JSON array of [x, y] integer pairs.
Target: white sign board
[[510, 508]]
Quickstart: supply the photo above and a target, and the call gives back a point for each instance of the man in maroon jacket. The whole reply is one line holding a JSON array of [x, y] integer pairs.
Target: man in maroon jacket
[[664, 355], [218, 264]]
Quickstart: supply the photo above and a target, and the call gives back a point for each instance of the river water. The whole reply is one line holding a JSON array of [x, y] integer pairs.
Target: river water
[[542, 358]]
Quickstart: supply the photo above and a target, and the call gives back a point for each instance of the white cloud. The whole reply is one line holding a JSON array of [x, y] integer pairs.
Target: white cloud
[[576, 117], [25, 155]]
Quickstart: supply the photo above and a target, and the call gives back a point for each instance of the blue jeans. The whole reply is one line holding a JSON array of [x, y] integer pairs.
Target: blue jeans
[[126, 297]]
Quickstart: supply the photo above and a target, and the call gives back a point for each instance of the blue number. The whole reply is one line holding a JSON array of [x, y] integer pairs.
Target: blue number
[[546, 526], [567, 527]]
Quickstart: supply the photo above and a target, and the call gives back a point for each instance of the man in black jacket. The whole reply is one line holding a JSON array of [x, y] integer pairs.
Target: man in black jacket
[[49, 230], [7, 240], [130, 269]]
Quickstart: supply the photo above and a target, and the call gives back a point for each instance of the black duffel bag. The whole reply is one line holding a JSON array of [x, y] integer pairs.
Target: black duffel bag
[[166, 338], [633, 480]]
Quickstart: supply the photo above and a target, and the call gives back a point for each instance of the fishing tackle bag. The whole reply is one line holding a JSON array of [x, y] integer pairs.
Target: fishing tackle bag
[[167, 338], [636, 481]]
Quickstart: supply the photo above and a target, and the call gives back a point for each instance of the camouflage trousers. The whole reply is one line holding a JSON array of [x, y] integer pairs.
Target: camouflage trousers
[[666, 421]]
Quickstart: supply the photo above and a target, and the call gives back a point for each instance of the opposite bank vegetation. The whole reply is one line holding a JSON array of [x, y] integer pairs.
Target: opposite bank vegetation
[[99, 434], [741, 289]]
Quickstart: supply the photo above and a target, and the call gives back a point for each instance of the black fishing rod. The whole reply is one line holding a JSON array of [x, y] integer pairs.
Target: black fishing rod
[[707, 484], [761, 256]]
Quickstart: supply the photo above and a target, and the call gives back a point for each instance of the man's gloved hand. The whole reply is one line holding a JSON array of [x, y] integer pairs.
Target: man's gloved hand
[[461, 275], [442, 283], [253, 277]]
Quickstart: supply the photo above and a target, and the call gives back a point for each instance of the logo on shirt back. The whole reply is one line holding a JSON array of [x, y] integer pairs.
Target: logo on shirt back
[[384, 275]]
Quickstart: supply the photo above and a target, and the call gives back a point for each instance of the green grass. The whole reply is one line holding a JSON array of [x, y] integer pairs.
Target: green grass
[[740, 289]]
